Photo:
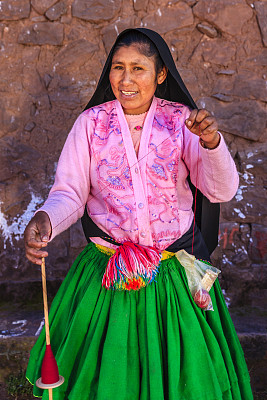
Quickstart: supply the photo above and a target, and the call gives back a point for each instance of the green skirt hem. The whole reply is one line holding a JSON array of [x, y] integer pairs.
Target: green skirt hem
[[33, 385]]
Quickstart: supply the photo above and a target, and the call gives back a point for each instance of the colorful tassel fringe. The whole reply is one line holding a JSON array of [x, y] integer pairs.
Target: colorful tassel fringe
[[131, 267]]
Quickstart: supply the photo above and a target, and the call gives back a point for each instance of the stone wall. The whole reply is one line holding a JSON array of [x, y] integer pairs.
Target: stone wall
[[52, 53]]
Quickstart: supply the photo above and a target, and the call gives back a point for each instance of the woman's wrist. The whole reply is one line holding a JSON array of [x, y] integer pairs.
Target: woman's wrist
[[211, 145]]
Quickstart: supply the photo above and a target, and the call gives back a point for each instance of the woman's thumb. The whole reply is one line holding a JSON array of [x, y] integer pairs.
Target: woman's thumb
[[44, 237], [45, 232], [44, 226]]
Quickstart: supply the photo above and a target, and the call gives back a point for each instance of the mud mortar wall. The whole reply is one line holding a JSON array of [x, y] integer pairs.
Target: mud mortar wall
[[52, 53]]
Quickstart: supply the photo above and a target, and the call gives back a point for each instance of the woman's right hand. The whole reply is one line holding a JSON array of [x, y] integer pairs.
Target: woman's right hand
[[36, 237]]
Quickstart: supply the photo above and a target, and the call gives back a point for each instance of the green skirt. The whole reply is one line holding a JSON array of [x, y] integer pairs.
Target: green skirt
[[151, 344]]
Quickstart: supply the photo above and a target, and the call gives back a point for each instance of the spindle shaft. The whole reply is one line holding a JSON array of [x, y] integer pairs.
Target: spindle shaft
[[49, 366], [47, 333]]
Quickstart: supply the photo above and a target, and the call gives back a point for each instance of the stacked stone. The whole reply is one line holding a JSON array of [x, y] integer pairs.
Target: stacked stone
[[51, 55]]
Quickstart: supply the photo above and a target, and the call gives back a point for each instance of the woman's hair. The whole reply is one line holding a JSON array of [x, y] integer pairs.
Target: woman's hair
[[144, 45]]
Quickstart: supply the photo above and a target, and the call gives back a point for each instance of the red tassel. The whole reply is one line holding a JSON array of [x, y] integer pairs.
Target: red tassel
[[49, 369]]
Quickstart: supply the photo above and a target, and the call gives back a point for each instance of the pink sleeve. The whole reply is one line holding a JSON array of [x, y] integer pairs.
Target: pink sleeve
[[213, 172], [69, 194]]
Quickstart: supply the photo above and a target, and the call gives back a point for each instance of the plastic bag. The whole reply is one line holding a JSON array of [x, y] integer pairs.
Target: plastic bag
[[201, 276]]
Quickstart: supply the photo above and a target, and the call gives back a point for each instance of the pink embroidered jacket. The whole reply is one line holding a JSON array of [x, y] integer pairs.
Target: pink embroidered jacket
[[146, 198]]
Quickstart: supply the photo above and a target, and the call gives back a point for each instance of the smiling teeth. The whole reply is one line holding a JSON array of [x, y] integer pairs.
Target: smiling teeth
[[128, 93]]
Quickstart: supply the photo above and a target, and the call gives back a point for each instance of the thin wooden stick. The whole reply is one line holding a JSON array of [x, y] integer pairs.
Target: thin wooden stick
[[47, 333], [39, 382]]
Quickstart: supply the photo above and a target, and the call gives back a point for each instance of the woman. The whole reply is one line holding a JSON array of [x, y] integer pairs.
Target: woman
[[127, 158]]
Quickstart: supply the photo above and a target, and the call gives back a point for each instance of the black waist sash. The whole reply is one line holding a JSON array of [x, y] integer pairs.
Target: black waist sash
[[185, 242], [200, 249]]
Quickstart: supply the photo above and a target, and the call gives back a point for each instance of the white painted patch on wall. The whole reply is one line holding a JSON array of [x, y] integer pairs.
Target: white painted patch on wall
[[239, 195], [247, 176], [16, 331], [16, 228], [226, 298], [239, 213], [225, 260], [37, 333], [202, 103]]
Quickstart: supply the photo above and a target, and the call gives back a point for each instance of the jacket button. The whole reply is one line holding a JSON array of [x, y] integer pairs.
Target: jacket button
[[136, 170], [140, 205], [143, 234]]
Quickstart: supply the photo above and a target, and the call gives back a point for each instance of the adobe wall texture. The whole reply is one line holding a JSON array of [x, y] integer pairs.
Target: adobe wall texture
[[52, 53]]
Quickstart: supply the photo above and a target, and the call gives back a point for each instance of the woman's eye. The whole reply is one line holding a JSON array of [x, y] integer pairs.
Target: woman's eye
[[117, 67], [138, 68]]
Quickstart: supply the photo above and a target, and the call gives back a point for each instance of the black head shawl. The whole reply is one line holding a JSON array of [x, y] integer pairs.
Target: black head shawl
[[175, 87], [207, 214]]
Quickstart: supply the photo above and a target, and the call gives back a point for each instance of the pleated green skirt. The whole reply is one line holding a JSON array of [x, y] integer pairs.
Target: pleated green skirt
[[151, 344]]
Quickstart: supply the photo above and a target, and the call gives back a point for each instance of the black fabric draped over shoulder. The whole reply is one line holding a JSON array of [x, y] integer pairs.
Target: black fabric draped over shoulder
[[207, 213]]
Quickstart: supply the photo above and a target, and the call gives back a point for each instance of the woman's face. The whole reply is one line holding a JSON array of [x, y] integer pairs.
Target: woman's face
[[133, 79]]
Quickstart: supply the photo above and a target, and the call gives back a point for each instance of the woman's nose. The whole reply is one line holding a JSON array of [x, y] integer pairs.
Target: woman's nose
[[126, 77]]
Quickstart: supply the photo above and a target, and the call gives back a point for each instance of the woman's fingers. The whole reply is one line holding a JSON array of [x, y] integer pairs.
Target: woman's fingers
[[35, 257], [191, 120], [203, 124], [212, 127], [199, 120], [34, 250], [36, 236]]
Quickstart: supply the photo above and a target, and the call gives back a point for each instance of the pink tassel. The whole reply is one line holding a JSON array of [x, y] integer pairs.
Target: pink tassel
[[132, 266]]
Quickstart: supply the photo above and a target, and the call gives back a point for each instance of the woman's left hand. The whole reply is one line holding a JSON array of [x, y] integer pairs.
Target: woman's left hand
[[204, 125]]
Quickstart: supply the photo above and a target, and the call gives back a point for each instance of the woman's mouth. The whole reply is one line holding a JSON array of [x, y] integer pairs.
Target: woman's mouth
[[128, 93]]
